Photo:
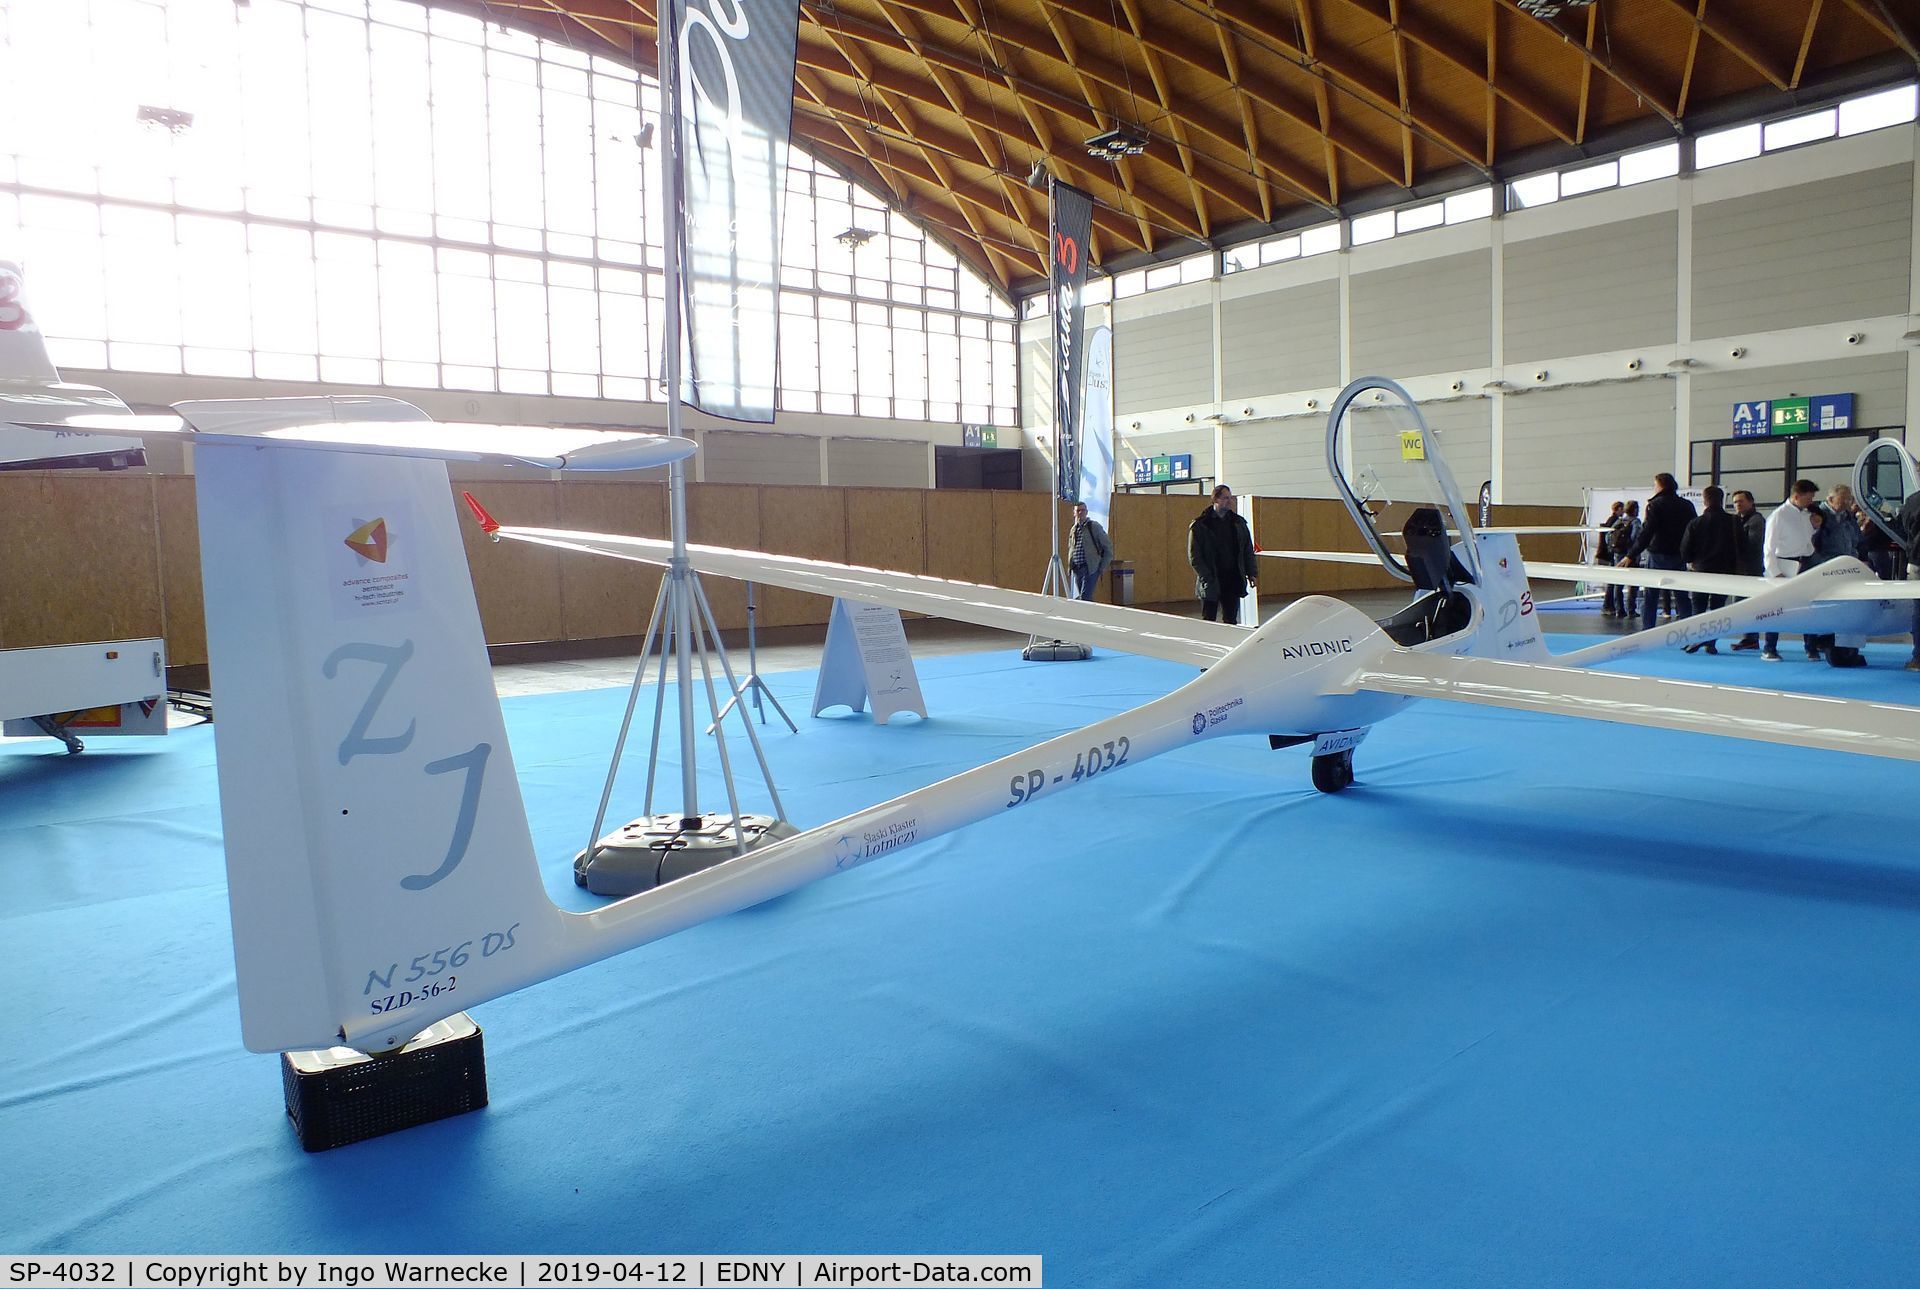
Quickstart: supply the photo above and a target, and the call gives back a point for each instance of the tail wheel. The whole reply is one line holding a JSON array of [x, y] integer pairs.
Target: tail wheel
[[1333, 771]]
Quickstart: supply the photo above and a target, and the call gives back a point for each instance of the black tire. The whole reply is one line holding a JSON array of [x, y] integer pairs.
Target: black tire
[[1334, 771]]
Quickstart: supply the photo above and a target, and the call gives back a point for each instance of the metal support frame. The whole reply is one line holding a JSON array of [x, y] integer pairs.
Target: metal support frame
[[751, 683], [682, 620]]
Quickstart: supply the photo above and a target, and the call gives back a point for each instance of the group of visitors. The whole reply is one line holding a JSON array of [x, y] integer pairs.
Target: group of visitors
[[1799, 534]]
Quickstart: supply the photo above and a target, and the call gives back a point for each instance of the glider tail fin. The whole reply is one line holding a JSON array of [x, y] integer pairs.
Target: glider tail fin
[[23, 350], [380, 867], [1513, 625]]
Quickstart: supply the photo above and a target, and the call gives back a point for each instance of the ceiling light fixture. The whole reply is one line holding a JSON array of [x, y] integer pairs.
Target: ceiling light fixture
[[1551, 8], [854, 238], [1120, 141], [1037, 177]]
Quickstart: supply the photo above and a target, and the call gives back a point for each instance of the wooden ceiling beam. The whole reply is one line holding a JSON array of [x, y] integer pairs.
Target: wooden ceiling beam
[[1629, 80], [1806, 41], [1586, 72], [1738, 45], [1493, 66], [1321, 99], [1000, 35], [916, 164], [1880, 18], [1156, 72], [1230, 56], [1435, 41], [1014, 192], [1400, 83], [1201, 60], [975, 21], [1347, 77], [1693, 58]]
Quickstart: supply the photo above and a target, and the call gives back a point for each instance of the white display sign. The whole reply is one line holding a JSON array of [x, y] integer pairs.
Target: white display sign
[[867, 659]]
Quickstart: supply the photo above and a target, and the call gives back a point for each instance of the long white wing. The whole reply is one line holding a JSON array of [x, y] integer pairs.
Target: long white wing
[[1800, 720], [1733, 584], [1137, 631]]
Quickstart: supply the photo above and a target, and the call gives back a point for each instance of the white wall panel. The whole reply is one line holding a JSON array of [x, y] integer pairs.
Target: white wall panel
[[1594, 290], [1466, 436], [1281, 458], [1163, 360], [877, 463], [1816, 252], [744, 456], [1430, 316], [1280, 340], [1878, 381], [1559, 441]]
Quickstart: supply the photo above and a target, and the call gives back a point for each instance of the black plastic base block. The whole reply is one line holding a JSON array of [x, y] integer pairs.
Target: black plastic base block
[[338, 1096], [1056, 651]]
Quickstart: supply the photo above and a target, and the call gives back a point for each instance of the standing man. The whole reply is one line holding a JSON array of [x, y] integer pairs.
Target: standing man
[[1711, 545], [1752, 560], [1789, 544], [1615, 601], [1665, 525], [1220, 548], [1088, 552]]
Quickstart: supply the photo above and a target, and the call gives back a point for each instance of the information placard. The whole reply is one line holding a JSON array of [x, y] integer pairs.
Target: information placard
[[867, 659]]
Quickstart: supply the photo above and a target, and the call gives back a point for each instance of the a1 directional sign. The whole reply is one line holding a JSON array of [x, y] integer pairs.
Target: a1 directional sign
[[1752, 420]]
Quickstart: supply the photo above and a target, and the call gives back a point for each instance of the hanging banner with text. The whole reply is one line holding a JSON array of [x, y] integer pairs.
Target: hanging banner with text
[[733, 82], [1096, 432], [1071, 219]]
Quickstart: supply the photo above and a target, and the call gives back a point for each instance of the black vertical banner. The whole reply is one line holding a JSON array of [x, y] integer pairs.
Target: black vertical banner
[[1071, 218], [733, 83]]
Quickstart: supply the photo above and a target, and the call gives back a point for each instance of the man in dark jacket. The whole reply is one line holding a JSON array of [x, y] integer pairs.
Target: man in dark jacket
[[1752, 560], [1614, 602], [1711, 544], [1658, 546], [1220, 548]]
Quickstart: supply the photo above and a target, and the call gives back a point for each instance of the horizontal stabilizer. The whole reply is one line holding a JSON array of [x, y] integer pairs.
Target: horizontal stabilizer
[[1769, 716], [1135, 631], [368, 425]]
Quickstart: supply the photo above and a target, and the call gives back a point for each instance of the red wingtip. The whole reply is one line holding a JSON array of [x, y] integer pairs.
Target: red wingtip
[[488, 524]]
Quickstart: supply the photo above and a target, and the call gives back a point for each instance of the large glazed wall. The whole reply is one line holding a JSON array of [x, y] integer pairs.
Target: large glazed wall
[[1561, 345]]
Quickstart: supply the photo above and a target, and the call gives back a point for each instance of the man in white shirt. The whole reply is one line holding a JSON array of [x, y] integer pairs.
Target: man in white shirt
[[1789, 544]]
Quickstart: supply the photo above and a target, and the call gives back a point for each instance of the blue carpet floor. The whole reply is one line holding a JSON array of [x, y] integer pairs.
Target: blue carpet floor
[[1537, 1002]]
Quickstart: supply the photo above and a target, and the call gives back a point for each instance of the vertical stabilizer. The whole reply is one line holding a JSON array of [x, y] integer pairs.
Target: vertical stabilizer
[[1513, 631], [23, 350], [380, 869]]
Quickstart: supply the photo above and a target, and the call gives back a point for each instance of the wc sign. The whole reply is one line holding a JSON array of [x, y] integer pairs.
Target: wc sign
[[1753, 420]]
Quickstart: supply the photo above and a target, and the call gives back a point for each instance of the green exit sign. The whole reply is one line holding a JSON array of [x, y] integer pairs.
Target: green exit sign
[[1162, 469], [1792, 415]]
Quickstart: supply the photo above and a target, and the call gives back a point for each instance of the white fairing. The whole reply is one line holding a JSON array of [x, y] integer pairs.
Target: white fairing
[[75, 677]]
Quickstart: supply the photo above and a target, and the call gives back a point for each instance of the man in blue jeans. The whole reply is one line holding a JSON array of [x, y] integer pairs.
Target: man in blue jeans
[[1662, 529], [1088, 552]]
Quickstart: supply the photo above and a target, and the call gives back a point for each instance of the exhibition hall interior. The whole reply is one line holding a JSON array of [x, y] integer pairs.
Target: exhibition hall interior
[[1090, 642]]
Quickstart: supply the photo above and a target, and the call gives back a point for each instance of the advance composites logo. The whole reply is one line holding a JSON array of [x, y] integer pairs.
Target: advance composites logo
[[369, 567]]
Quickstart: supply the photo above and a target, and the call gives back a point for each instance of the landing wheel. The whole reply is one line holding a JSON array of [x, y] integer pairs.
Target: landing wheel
[[1333, 771]]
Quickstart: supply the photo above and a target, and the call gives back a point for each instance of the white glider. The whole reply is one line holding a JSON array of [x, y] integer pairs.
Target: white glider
[[381, 871], [1851, 600]]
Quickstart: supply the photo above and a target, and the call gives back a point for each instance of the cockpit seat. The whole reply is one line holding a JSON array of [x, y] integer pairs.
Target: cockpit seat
[[1442, 610]]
